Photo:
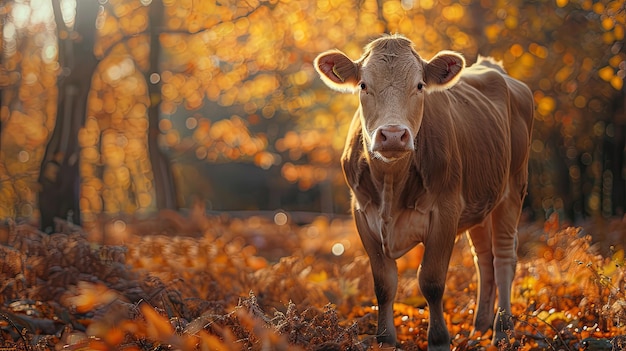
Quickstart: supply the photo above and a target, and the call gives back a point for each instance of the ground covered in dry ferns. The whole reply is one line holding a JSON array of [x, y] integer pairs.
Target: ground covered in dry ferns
[[198, 282]]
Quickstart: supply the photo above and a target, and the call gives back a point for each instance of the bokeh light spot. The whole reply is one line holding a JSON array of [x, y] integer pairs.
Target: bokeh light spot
[[280, 218], [155, 78], [338, 249], [23, 156]]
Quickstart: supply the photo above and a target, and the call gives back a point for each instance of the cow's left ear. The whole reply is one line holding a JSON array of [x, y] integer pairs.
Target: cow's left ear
[[443, 70], [337, 70]]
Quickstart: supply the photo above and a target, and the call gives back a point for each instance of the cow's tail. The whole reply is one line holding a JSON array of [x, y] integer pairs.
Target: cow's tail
[[491, 62]]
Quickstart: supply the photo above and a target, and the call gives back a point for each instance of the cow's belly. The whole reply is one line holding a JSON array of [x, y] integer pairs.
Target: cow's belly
[[473, 217], [475, 213], [409, 227]]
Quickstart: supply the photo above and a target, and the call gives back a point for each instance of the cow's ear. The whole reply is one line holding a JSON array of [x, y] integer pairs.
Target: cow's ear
[[337, 70], [443, 71]]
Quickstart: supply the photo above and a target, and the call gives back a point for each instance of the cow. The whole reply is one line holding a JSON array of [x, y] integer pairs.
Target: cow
[[435, 149]]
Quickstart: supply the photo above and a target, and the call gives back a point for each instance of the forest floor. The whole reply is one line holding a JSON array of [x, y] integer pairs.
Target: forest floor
[[198, 282]]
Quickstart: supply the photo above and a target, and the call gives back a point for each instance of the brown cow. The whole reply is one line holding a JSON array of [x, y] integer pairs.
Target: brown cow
[[435, 149]]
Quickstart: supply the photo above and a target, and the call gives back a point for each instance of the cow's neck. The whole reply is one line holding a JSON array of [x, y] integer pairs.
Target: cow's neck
[[390, 180]]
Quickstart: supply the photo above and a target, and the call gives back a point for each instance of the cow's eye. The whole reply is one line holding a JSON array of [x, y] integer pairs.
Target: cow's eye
[[420, 86], [363, 86]]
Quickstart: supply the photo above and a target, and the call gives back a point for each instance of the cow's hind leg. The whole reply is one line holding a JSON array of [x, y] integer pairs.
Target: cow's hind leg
[[483, 258], [505, 219]]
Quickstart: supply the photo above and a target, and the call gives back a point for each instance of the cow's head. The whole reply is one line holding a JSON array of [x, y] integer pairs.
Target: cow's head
[[393, 81]]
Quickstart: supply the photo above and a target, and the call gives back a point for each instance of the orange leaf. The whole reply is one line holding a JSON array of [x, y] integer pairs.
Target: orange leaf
[[158, 327]]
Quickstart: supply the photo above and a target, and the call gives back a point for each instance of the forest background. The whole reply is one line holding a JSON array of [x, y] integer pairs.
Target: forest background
[[152, 123], [129, 107]]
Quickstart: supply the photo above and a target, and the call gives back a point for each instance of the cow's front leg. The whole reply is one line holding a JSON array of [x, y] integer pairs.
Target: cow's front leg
[[385, 273], [432, 279]]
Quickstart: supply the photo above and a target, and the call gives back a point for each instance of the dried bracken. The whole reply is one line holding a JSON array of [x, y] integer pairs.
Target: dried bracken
[[252, 284]]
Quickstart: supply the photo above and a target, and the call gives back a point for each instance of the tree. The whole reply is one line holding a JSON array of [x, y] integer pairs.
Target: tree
[[161, 169], [59, 174], [180, 83]]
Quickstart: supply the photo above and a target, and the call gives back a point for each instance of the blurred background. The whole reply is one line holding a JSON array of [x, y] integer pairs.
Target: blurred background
[[129, 107]]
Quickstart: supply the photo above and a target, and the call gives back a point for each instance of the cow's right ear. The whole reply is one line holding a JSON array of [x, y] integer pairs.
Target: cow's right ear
[[337, 70]]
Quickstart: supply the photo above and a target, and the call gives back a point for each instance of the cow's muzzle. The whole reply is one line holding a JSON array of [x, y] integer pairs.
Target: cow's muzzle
[[392, 140]]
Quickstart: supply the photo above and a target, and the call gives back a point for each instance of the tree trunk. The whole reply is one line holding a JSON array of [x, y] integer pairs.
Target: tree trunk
[[59, 174], [618, 151], [161, 168]]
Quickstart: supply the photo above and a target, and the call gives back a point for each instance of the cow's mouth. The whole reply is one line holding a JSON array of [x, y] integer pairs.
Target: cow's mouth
[[390, 155]]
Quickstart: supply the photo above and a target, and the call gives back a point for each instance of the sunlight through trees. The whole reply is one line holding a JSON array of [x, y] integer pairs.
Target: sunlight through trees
[[234, 83]]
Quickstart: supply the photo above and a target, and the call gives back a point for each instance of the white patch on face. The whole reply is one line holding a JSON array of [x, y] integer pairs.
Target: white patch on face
[[389, 159]]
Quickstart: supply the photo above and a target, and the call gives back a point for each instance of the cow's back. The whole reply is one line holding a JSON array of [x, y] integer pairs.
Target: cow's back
[[521, 106], [491, 117], [520, 102]]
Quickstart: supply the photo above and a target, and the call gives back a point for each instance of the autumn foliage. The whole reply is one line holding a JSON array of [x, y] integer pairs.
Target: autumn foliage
[[221, 283], [233, 81]]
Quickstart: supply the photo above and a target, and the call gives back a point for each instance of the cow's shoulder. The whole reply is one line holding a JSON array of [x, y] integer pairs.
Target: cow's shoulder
[[490, 82]]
